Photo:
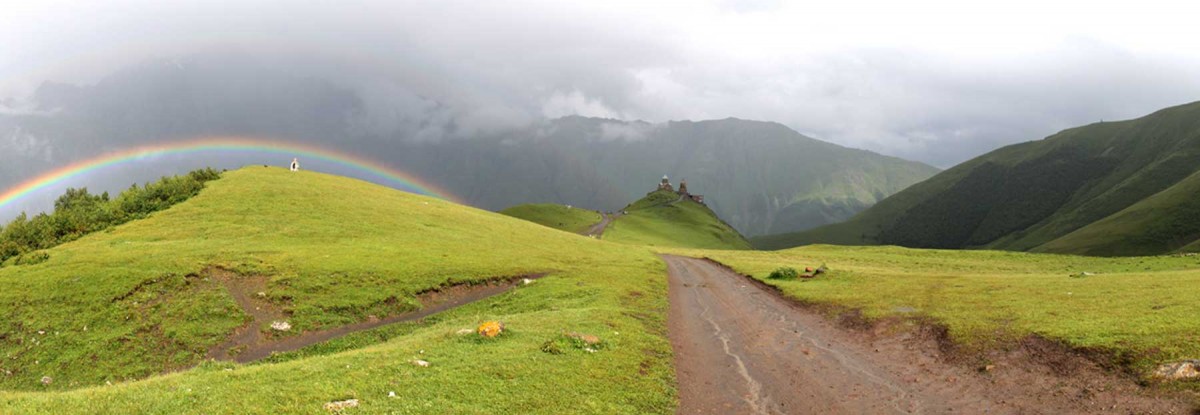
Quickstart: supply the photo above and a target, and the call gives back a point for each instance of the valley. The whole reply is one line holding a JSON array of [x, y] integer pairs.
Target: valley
[[347, 275]]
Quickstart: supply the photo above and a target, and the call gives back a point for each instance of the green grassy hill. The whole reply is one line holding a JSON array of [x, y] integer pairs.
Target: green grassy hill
[[559, 217], [1028, 196], [663, 218], [1165, 222], [106, 314]]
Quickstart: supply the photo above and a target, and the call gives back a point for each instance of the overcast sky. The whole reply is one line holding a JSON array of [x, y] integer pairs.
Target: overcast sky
[[934, 81]]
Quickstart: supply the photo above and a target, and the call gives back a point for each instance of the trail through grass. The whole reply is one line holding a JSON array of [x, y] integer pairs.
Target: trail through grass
[[570, 219]]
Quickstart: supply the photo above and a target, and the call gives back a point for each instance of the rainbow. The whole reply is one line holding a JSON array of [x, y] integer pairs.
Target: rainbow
[[402, 180]]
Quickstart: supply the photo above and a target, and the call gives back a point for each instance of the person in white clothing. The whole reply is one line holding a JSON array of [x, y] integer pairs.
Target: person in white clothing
[[295, 164]]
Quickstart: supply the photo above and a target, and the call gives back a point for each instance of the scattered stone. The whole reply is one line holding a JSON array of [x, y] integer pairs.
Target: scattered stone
[[420, 363], [41, 332], [281, 326], [46, 380], [1082, 274], [464, 331], [588, 339], [1187, 369], [526, 281], [391, 394], [337, 406], [490, 329], [261, 294], [989, 368]]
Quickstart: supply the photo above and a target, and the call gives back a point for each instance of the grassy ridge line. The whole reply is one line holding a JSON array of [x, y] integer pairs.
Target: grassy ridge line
[[556, 216], [663, 219], [123, 304], [1141, 308]]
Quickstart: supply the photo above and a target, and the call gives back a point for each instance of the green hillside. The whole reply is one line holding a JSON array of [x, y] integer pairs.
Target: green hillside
[[664, 218], [140, 300], [1028, 196], [559, 217], [1165, 222]]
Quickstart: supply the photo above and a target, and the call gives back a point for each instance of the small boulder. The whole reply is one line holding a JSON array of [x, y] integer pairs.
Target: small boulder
[[338, 406], [587, 339], [490, 329], [281, 326], [421, 363], [1187, 369], [46, 380]]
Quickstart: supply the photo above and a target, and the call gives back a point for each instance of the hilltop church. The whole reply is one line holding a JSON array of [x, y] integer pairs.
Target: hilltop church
[[683, 191]]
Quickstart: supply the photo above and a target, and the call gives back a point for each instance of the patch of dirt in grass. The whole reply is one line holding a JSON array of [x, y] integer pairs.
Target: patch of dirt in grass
[[250, 343]]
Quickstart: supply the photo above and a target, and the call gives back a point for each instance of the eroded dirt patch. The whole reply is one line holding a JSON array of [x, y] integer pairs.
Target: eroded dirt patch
[[249, 343]]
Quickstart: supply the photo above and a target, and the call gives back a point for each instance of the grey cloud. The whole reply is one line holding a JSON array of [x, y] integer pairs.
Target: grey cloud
[[359, 76]]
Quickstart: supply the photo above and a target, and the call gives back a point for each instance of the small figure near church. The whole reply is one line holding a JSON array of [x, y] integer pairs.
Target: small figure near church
[[295, 164]]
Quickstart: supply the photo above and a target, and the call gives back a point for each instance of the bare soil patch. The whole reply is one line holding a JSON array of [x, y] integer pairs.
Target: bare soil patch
[[250, 343]]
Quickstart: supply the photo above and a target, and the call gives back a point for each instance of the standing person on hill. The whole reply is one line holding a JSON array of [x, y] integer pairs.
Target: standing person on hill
[[295, 164]]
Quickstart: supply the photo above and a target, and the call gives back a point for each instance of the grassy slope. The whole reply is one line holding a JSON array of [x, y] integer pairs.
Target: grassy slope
[[660, 220], [1164, 222], [1026, 195], [1142, 307], [115, 306], [556, 216]]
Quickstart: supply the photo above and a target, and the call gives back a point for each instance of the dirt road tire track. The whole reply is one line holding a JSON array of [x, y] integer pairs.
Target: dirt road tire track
[[742, 349]]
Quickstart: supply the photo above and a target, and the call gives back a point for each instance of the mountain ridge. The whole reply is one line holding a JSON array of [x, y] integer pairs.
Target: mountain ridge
[[1024, 196], [765, 177]]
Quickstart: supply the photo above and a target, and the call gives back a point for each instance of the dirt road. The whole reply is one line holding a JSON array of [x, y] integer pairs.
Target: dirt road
[[742, 349], [598, 229]]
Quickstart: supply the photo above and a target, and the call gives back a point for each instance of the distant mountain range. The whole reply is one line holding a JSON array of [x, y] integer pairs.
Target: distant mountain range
[[1110, 188], [761, 177]]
